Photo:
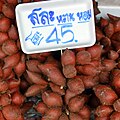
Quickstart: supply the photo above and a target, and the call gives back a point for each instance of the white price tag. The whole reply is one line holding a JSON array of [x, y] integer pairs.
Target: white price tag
[[55, 25]]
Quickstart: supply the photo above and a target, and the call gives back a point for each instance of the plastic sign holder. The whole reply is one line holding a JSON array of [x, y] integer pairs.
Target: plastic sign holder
[[55, 25]]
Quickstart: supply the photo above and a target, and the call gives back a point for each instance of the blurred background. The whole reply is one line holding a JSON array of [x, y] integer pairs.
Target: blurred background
[[109, 2]]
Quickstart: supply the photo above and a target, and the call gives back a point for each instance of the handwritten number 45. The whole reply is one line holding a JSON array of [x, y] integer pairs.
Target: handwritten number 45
[[65, 31]]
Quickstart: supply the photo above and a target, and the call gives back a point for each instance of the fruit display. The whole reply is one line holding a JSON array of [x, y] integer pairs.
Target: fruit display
[[77, 84]]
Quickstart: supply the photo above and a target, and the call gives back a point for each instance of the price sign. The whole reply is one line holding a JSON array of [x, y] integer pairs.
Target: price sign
[[54, 25]]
